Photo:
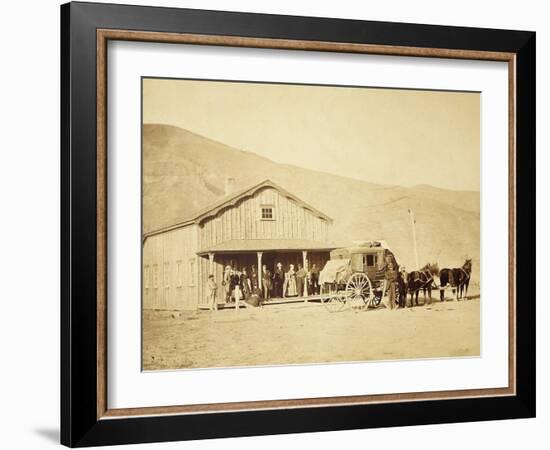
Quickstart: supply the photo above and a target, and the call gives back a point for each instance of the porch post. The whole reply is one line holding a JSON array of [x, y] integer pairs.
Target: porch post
[[304, 262], [210, 263], [259, 254]]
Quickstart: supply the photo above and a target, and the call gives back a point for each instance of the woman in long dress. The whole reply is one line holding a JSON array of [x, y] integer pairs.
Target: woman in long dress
[[246, 286], [235, 283], [291, 282]]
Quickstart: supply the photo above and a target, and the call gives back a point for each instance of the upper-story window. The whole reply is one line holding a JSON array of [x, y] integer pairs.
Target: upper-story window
[[267, 212]]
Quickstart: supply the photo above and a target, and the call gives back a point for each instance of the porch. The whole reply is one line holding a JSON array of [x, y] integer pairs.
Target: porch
[[252, 255]]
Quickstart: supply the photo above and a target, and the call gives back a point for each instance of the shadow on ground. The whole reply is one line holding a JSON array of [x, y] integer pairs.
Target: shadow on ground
[[49, 434]]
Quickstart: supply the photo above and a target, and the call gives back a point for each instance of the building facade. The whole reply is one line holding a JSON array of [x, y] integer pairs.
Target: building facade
[[263, 224]]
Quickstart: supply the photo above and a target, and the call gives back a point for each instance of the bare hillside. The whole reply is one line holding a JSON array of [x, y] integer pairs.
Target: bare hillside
[[183, 172]]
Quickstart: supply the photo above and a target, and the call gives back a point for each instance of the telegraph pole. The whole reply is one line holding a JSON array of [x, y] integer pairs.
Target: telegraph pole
[[413, 224]]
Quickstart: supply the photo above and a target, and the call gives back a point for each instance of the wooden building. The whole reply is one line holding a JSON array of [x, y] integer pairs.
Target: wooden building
[[263, 224]]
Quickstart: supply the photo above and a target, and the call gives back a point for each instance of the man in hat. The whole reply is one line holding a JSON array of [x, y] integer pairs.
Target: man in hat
[[391, 284], [314, 279], [402, 287], [226, 283], [266, 282], [301, 275], [278, 280], [253, 278], [212, 288]]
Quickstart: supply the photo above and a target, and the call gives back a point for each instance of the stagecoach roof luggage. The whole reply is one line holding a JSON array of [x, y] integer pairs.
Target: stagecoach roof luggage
[[360, 247], [380, 243], [332, 268]]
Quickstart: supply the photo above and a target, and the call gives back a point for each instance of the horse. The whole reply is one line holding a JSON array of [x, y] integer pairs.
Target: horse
[[467, 271], [421, 280], [458, 279]]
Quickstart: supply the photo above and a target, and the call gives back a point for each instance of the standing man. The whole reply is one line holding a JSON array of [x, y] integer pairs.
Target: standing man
[[314, 276], [301, 275], [212, 288], [278, 280], [254, 279], [246, 285], [226, 282], [402, 287], [266, 282], [391, 284]]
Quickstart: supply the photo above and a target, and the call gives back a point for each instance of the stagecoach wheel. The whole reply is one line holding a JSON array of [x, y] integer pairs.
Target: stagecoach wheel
[[326, 288], [334, 303], [358, 290], [373, 301]]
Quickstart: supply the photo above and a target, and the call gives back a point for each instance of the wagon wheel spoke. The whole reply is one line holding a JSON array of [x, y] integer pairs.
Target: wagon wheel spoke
[[357, 291], [334, 303]]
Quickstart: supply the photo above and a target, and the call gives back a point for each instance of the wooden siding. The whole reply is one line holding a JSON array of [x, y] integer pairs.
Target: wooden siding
[[174, 276], [170, 277], [243, 221]]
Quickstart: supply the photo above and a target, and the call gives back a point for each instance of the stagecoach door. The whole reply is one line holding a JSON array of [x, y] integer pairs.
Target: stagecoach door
[[371, 264]]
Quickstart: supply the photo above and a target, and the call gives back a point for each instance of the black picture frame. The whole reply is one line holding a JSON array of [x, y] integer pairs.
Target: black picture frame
[[80, 425]]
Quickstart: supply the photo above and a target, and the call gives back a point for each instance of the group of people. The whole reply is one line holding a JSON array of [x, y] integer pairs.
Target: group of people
[[245, 284], [294, 282]]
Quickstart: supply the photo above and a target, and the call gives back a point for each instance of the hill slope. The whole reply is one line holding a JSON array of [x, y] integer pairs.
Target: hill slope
[[192, 168]]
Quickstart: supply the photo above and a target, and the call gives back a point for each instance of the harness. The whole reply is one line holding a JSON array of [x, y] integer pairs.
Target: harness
[[465, 279], [429, 279]]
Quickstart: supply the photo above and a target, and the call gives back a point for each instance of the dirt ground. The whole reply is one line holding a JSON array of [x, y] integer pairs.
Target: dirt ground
[[302, 333]]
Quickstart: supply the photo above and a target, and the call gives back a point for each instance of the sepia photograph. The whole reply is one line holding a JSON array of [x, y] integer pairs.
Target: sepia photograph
[[308, 224]]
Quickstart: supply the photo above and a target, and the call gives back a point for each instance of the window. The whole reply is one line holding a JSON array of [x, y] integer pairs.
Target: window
[[166, 275], [155, 276], [192, 272], [146, 277], [267, 213], [369, 260], [179, 274]]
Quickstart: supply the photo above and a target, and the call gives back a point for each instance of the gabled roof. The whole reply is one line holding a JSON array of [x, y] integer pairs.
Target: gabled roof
[[232, 200]]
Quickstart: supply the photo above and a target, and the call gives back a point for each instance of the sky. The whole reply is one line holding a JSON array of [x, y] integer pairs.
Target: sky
[[389, 136]]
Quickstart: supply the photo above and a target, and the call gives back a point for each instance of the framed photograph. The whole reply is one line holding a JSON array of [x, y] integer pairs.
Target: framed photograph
[[276, 224]]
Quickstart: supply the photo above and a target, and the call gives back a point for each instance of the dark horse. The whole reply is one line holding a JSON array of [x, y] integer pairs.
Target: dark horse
[[421, 280], [458, 279]]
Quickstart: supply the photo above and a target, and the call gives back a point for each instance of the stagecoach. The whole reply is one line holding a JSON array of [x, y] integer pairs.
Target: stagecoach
[[355, 276]]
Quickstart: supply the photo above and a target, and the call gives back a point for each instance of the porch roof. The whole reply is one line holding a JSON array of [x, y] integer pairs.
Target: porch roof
[[265, 245]]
